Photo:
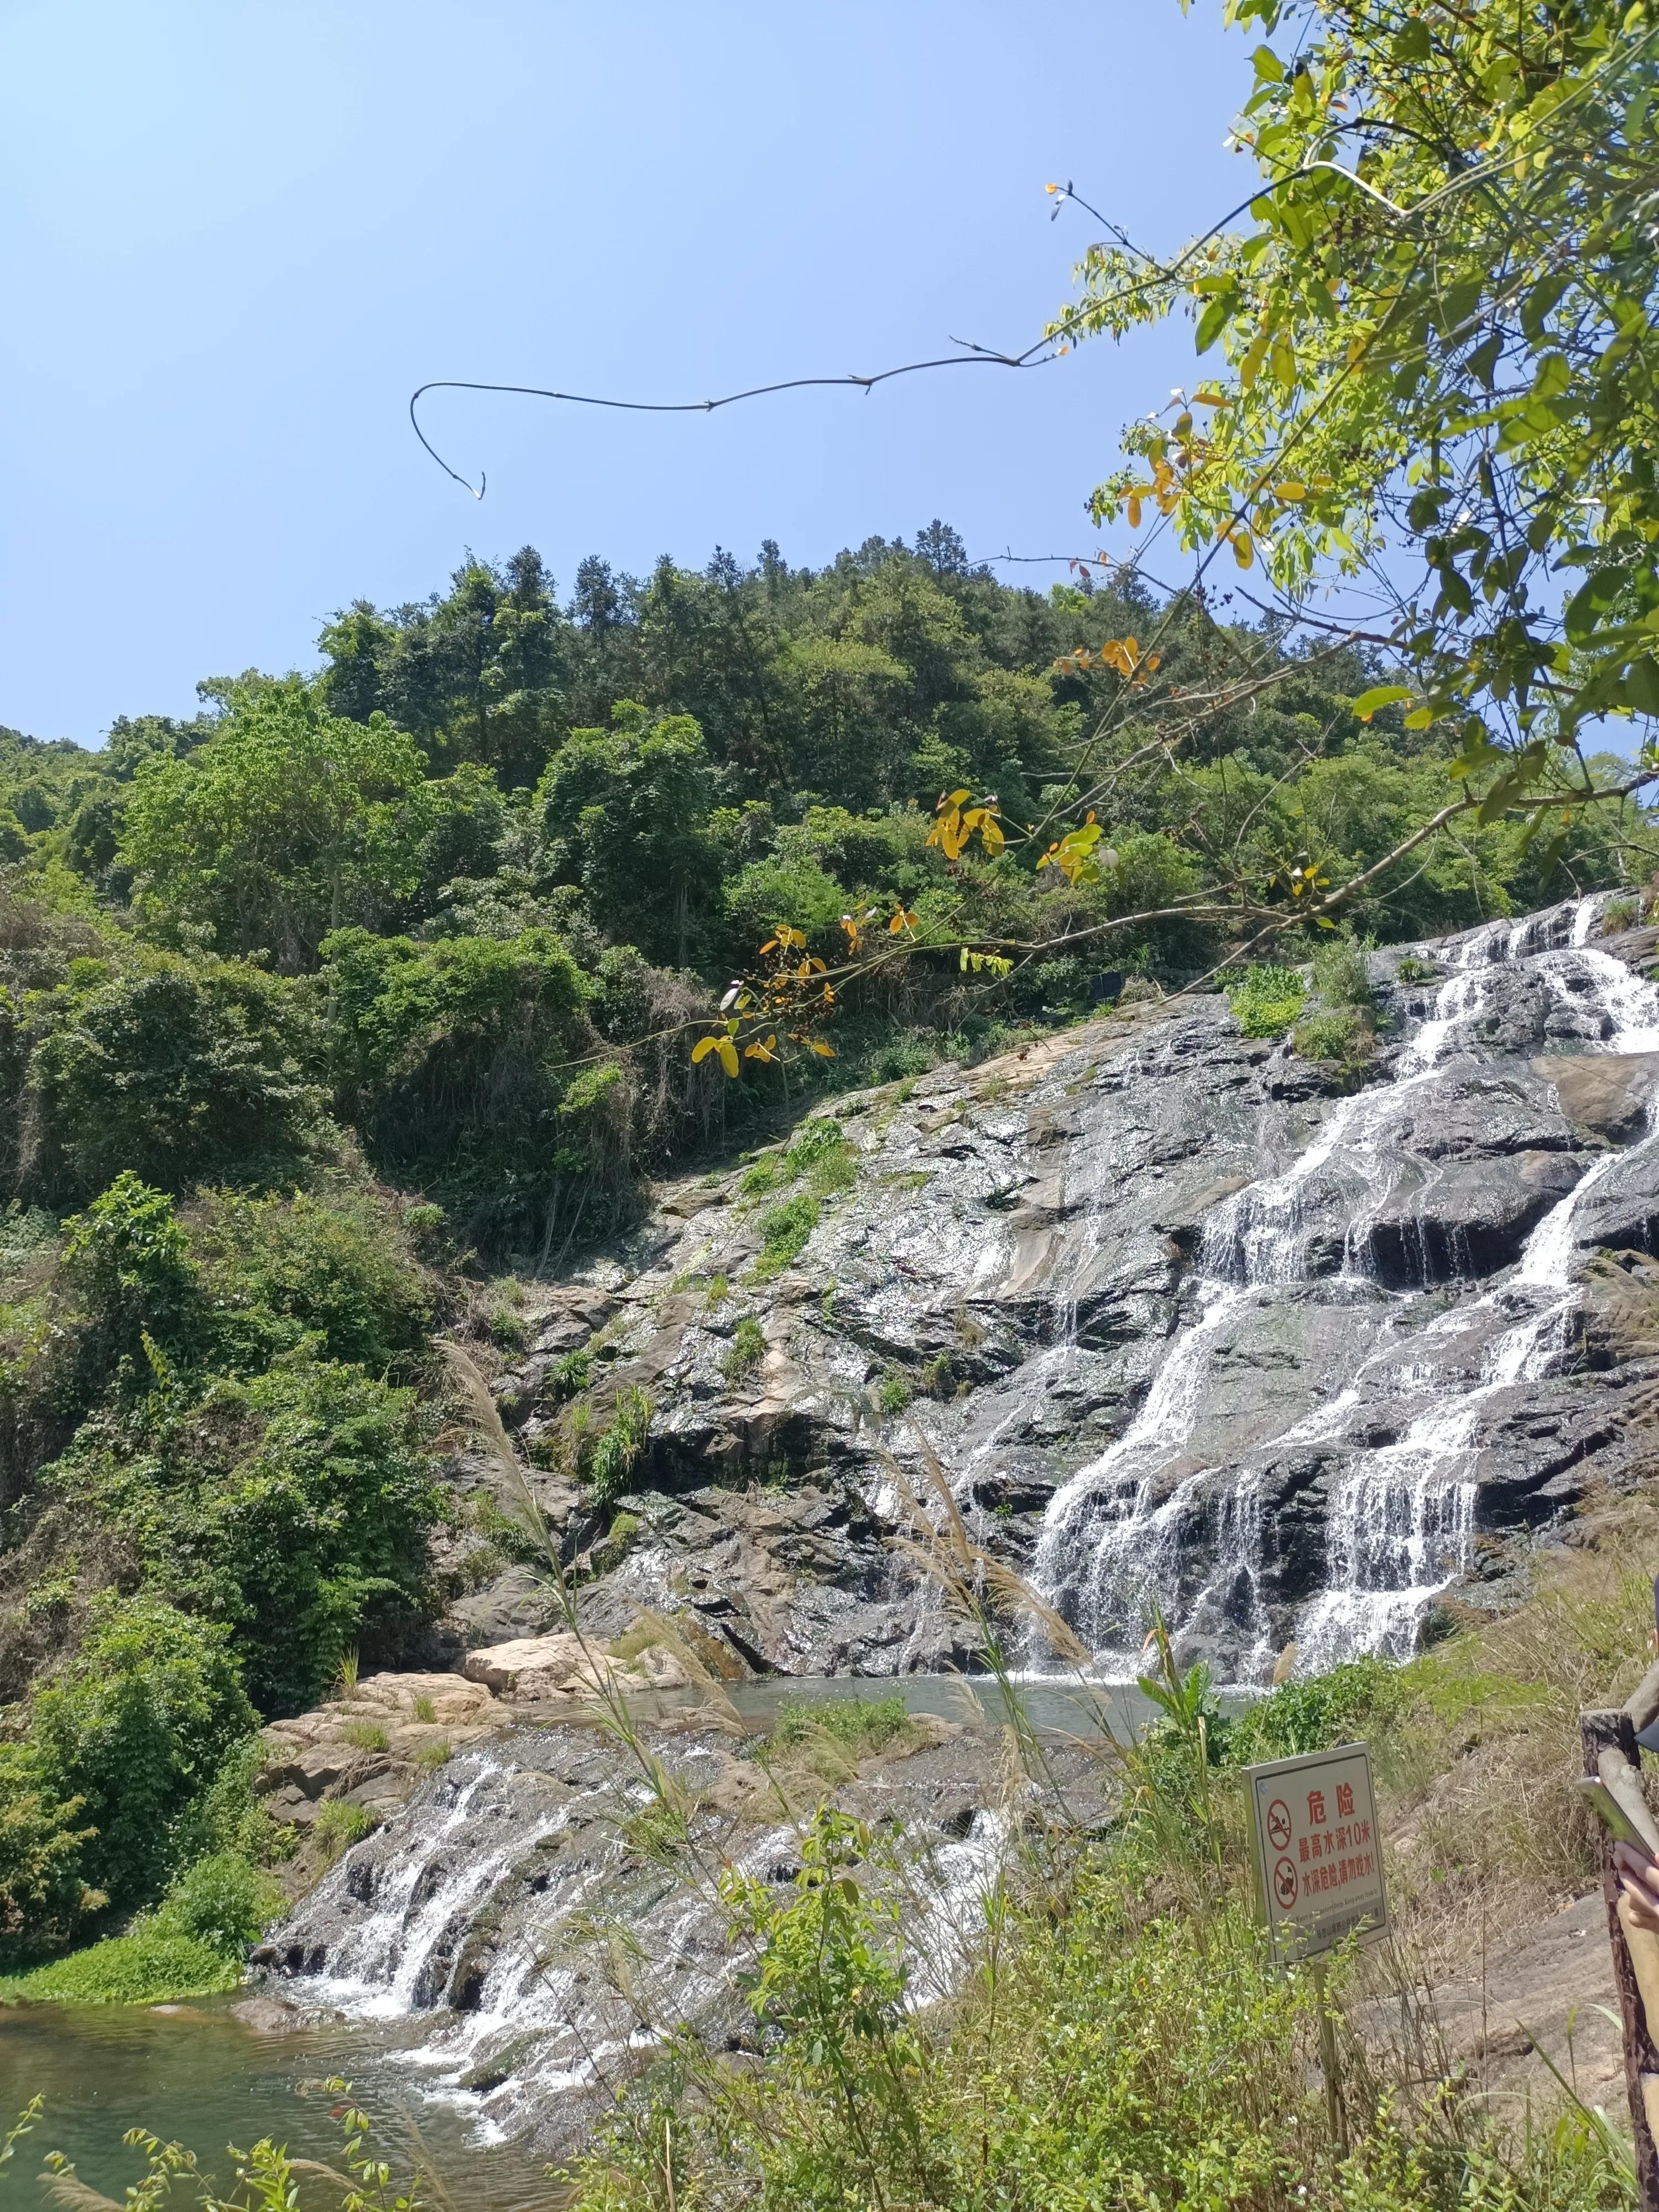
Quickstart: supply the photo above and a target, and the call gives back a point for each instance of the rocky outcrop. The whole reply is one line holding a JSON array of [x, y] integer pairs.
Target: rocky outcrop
[[1188, 1319], [368, 1746], [541, 1667]]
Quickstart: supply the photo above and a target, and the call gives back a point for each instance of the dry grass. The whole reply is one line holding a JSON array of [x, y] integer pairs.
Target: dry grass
[[1482, 1772]]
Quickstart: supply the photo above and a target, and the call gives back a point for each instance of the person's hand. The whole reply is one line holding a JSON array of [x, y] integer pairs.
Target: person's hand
[[1638, 1881]]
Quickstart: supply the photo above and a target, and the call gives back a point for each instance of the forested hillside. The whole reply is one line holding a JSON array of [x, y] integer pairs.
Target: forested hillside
[[363, 985]]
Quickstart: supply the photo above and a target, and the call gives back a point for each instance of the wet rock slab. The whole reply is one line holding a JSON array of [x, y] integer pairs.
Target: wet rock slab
[[1018, 1267]]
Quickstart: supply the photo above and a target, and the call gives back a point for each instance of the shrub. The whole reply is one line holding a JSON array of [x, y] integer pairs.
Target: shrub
[[893, 1394], [1333, 1037], [572, 1373], [1360, 1696], [1265, 1000], [339, 1825], [224, 1900], [862, 1723], [938, 1377], [127, 1268], [1342, 972], [748, 1347], [454, 1059], [1617, 915], [137, 1726], [278, 1269], [42, 1834], [187, 1074], [293, 1507], [618, 1451], [150, 1966]]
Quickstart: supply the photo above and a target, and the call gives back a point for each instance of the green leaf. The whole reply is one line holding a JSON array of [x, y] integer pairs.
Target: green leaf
[[1380, 694], [1641, 685], [1215, 320], [1412, 44]]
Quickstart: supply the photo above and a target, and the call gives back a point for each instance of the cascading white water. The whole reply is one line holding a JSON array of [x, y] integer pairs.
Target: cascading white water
[[1401, 1520]]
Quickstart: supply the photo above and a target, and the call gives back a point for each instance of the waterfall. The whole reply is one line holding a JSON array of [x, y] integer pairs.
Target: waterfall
[[1121, 1535], [520, 1943]]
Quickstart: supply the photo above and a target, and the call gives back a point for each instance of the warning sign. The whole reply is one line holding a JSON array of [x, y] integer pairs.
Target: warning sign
[[1318, 1857]]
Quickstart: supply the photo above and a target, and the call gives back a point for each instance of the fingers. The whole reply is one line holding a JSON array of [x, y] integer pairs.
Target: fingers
[[1638, 1880]]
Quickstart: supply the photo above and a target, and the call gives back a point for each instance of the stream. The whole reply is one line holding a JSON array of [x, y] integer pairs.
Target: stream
[[522, 1834]]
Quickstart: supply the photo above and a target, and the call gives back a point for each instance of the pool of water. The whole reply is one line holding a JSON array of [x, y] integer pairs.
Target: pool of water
[[195, 2075], [1053, 1705]]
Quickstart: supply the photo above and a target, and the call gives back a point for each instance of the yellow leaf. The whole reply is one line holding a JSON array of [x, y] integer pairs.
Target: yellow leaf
[[991, 835], [1290, 490], [729, 1053], [1134, 510], [824, 1051], [703, 1048], [1243, 550]]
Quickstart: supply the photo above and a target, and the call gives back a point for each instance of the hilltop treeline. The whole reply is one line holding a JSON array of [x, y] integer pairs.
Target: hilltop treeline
[[458, 891]]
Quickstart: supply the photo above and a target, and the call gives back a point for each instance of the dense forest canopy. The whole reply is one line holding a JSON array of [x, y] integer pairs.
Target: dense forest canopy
[[467, 892]]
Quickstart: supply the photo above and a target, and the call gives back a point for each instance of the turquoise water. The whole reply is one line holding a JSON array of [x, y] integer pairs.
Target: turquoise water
[[196, 2075]]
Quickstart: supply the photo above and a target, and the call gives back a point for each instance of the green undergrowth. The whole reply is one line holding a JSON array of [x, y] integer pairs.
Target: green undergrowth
[[193, 1944], [859, 1723], [1265, 1000]]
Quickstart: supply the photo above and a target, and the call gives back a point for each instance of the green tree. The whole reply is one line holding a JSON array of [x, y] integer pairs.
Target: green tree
[[292, 1509], [136, 1727], [1437, 331], [183, 1071], [288, 821], [624, 814]]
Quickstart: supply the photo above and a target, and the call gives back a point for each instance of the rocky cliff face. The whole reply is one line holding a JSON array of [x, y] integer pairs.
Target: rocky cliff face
[[1187, 1321]]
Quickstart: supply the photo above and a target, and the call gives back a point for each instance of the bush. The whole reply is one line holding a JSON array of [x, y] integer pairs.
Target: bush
[[127, 1268], [339, 1825], [187, 1074], [224, 1900], [1333, 1037], [748, 1347], [862, 1723], [455, 1062], [617, 1452], [136, 1728], [893, 1393], [42, 1834], [572, 1373], [150, 1966], [1265, 1000], [275, 1270], [1342, 972], [294, 1507], [1359, 1697]]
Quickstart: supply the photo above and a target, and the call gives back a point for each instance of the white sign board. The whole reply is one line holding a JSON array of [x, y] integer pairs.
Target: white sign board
[[1318, 1856]]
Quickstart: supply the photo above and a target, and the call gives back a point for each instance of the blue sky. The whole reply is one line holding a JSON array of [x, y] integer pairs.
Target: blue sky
[[236, 236]]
